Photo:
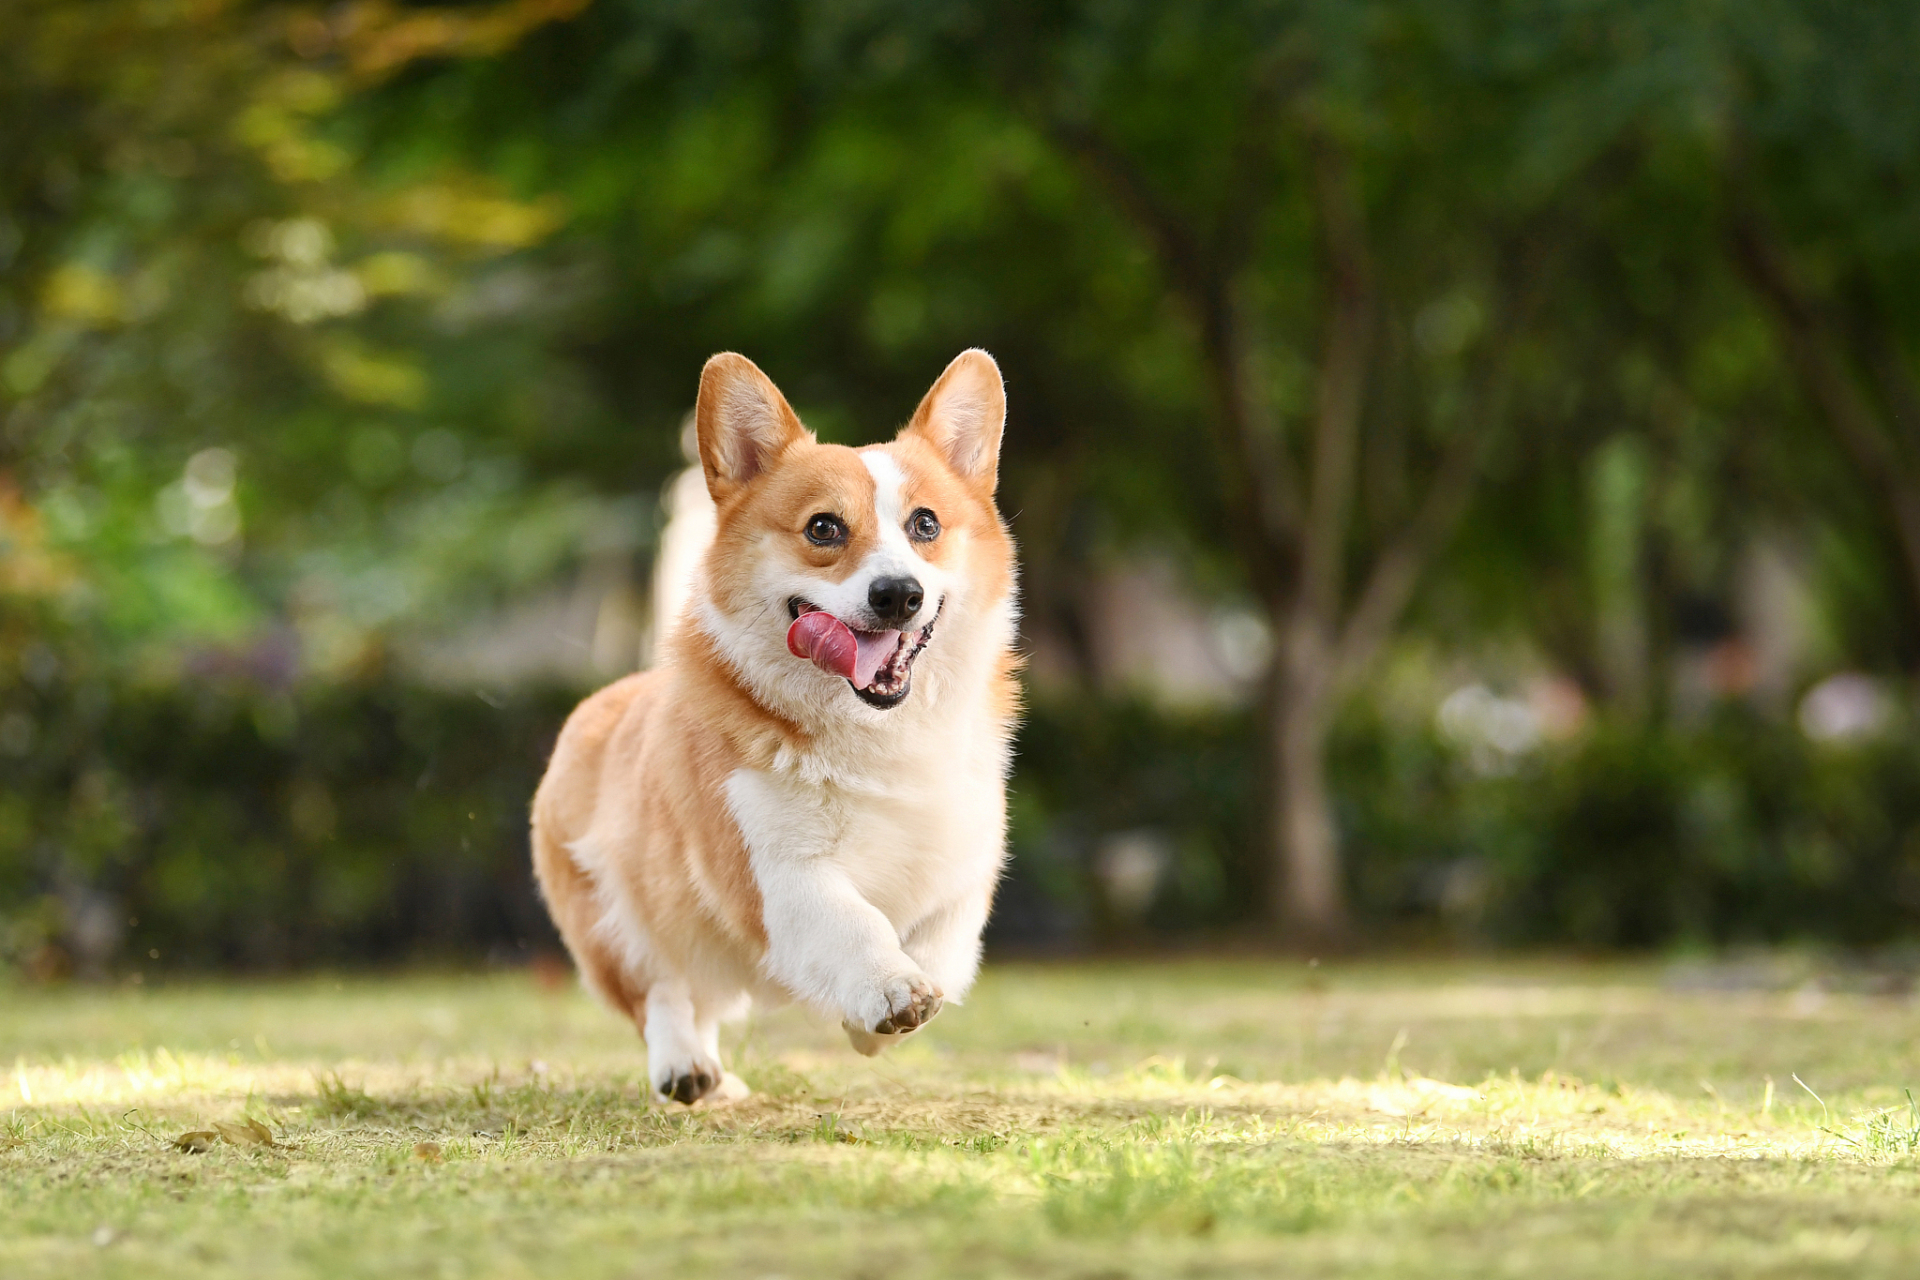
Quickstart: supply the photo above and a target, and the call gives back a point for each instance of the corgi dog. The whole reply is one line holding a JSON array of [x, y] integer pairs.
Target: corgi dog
[[805, 798]]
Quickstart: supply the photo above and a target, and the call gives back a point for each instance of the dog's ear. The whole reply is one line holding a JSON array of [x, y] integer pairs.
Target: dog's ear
[[963, 415], [742, 421]]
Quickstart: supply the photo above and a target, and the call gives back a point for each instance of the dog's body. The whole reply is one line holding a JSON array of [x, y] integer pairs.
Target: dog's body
[[744, 823]]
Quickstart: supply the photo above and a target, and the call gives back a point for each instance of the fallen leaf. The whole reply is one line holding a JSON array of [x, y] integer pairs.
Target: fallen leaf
[[196, 1142], [428, 1151], [250, 1133]]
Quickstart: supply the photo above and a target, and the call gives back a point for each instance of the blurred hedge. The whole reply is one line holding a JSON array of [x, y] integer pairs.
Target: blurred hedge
[[218, 824], [1742, 831], [1634, 835]]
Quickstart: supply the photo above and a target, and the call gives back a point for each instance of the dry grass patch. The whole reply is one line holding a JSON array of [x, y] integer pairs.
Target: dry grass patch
[[1122, 1120]]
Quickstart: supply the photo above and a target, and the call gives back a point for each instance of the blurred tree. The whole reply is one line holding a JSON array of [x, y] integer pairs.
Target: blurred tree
[[1819, 123], [1357, 268], [1356, 274], [221, 343], [321, 326], [1765, 207]]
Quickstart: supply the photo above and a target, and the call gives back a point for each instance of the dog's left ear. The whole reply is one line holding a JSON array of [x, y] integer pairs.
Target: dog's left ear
[[963, 415]]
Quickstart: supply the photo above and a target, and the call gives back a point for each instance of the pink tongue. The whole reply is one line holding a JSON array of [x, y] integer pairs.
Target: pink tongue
[[833, 646], [825, 641], [875, 649]]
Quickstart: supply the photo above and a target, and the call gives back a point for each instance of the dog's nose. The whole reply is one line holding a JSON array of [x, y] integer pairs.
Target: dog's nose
[[894, 600]]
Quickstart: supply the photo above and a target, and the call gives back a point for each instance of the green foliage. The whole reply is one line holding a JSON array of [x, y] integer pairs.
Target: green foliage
[[1091, 768], [1635, 834], [221, 824], [1739, 832], [324, 330], [224, 824], [235, 366]]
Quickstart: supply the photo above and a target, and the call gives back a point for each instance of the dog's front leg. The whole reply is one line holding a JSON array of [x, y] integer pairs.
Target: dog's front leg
[[946, 944], [826, 943], [834, 949]]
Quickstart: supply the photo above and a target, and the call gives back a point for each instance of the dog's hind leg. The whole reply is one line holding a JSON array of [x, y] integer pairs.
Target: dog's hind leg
[[606, 968], [683, 1058]]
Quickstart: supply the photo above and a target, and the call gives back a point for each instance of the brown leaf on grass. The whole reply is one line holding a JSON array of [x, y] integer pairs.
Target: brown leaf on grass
[[428, 1151], [245, 1133], [196, 1142]]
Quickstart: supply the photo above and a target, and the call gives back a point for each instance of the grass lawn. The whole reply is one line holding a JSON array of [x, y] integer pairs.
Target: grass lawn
[[1136, 1119]]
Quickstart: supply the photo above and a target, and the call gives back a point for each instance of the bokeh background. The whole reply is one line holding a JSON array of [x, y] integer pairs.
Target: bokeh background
[[1465, 455]]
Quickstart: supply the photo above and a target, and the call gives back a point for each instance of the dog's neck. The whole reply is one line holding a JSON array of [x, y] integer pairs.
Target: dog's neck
[[783, 714]]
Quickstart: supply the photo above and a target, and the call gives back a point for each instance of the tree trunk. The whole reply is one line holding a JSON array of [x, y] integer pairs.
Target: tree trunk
[[1308, 896], [1292, 530]]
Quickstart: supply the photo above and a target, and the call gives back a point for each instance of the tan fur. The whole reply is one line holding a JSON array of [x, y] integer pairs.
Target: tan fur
[[633, 811]]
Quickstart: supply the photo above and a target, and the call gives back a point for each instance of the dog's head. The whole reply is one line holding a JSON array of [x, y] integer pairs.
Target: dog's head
[[832, 568]]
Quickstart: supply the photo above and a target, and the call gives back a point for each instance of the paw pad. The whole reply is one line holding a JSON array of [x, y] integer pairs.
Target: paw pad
[[688, 1087], [917, 1014]]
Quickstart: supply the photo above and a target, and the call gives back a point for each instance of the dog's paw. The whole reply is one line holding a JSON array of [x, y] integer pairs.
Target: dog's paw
[[916, 1011], [688, 1083], [905, 1003]]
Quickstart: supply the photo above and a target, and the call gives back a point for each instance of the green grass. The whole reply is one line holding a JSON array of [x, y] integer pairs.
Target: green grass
[[1141, 1119]]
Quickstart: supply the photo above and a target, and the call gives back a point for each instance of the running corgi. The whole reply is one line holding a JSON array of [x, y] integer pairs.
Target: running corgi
[[806, 797]]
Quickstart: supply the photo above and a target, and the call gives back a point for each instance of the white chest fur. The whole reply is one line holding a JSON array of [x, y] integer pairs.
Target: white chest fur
[[875, 871], [910, 837]]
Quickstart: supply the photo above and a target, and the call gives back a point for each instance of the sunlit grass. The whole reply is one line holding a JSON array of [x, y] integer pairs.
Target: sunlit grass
[[1141, 1119]]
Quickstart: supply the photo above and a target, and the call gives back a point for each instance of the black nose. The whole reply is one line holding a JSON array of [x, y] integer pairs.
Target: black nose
[[895, 599]]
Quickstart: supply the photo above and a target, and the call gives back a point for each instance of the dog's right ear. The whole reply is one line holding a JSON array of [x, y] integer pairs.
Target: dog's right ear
[[743, 423]]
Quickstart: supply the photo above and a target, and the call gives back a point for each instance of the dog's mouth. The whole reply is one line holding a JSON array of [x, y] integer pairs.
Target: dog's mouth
[[877, 664]]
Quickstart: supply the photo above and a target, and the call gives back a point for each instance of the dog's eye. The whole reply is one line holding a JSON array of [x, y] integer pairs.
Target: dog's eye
[[924, 526], [826, 530]]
